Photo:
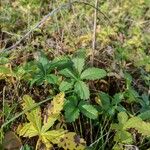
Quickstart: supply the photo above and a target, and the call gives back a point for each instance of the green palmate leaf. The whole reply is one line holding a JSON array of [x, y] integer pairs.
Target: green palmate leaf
[[93, 74], [82, 90], [78, 64], [132, 122], [66, 85], [88, 110], [67, 73], [33, 116], [72, 141], [53, 111]]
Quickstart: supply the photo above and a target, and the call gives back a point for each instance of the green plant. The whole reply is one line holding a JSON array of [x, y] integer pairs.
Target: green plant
[[26, 147], [145, 107], [43, 70], [76, 75], [122, 135], [74, 106], [130, 94], [43, 74], [35, 127], [110, 105]]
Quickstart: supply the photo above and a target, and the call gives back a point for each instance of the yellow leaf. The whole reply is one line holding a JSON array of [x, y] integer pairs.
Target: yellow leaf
[[54, 136], [27, 130], [60, 137], [34, 115], [5, 71], [53, 111], [72, 141], [44, 141]]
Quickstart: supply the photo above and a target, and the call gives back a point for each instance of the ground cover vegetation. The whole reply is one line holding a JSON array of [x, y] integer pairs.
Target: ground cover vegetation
[[75, 75]]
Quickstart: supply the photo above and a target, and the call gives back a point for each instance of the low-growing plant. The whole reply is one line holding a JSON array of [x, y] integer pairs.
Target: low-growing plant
[[37, 127], [145, 107], [42, 71], [110, 105], [76, 76], [74, 106], [122, 135]]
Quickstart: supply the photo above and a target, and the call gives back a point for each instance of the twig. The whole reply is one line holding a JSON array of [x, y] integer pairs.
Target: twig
[[39, 24], [94, 32]]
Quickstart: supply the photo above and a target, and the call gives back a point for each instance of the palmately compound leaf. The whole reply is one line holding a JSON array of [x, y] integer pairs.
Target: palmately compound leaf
[[122, 135], [141, 126], [46, 136], [88, 110], [72, 141], [78, 64], [82, 90], [93, 74], [53, 111], [34, 116]]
